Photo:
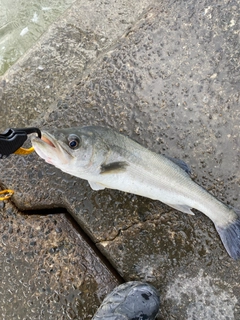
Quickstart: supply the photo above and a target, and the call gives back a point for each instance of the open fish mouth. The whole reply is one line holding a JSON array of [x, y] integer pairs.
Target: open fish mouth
[[47, 140], [45, 147], [51, 150]]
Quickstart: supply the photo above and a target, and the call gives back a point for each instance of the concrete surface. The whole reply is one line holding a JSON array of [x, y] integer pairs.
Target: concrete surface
[[169, 79], [47, 269]]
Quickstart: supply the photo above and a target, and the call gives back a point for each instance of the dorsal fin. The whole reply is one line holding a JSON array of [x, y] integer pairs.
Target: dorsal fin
[[181, 164]]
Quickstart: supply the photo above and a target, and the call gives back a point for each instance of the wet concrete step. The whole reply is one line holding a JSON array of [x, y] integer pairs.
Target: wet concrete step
[[48, 269], [171, 83], [62, 55]]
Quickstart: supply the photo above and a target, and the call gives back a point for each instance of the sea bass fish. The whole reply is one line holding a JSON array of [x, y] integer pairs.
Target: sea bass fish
[[108, 159]]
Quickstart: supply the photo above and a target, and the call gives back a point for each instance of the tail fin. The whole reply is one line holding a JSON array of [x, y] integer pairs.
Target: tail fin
[[230, 236]]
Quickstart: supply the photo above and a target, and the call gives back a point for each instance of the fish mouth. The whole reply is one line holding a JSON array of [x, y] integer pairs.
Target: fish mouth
[[51, 149], [47, 140]]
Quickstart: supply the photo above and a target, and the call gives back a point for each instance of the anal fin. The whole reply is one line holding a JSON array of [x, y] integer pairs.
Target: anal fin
[[96, 186], [181, 207]]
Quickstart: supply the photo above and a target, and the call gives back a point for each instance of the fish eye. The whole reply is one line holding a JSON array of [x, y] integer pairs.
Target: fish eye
[[73, 141]]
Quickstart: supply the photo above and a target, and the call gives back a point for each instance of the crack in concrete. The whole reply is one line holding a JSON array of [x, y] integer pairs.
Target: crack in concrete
[[104, 242]]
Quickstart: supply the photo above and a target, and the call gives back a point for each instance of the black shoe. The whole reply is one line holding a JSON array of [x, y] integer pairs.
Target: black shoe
[[130, 301]]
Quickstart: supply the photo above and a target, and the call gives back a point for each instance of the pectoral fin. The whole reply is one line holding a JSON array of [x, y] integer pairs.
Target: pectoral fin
[[113, 167], [96, 186], [181, 207]]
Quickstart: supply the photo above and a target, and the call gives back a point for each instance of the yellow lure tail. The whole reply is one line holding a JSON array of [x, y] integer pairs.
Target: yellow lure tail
[[24, 152]]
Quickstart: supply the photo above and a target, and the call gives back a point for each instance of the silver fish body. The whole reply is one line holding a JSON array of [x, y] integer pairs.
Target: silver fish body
[[108, 159]]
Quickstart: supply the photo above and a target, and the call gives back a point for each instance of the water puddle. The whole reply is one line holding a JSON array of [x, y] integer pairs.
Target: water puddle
[[22, 23]]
